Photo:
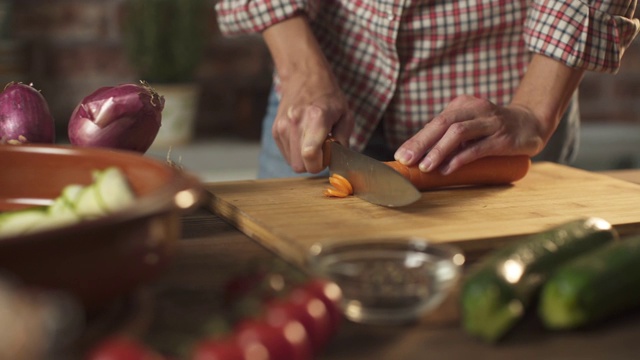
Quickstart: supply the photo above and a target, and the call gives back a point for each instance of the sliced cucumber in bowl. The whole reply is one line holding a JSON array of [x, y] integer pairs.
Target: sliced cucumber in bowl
[[109, 192], [113, 189], [22, 221], [88, 205]]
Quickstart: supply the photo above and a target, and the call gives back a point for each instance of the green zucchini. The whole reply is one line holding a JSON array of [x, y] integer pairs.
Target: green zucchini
[[593, 287], [502, 285]]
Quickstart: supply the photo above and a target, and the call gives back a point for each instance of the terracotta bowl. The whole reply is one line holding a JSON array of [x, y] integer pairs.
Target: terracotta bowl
[[102, 259]]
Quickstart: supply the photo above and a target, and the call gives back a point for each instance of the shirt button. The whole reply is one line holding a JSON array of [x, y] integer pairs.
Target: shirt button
[[390, 15]]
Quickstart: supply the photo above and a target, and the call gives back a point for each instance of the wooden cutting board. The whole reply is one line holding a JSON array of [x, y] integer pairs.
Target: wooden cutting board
[[289, 215]]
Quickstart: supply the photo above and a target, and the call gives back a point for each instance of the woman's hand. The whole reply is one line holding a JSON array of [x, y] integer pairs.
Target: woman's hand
[[470, 128], [311, 107], [312, 104]]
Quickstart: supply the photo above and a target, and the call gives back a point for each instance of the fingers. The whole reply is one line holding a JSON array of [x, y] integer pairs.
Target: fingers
[[462, 142], [469, 128], [300, 133], [280, 131], [312, 105], [287, 132], [313, 137], [455, 125]]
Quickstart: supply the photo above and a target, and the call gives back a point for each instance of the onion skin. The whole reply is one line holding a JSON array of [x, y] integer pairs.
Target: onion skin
[[25, 116], [125, 117]]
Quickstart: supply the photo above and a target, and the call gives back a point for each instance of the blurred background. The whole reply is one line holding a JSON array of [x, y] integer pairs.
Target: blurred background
[[69, 48]]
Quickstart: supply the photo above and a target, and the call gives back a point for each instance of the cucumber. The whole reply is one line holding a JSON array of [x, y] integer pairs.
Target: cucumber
[[593, 287], [113, 189], [64, 205], [70, 195], [20, 222], [109, 192], [89, 205], [501, 286], [62, 211]]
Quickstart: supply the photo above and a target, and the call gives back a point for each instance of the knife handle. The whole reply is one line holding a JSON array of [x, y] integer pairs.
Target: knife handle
[[492, 170], [326, 151]]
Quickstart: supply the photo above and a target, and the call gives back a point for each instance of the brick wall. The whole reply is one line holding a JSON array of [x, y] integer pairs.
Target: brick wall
[[614, 97], [72, 47]]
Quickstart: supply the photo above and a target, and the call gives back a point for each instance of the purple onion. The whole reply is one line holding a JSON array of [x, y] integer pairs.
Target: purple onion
[[126, 117], [25, 116]]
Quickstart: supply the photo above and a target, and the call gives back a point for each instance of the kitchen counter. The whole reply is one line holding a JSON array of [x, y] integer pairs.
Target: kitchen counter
[[212, 249]]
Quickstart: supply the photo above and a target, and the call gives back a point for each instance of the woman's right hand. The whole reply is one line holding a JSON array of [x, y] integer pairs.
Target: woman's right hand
[[312, 105], [310, 108]]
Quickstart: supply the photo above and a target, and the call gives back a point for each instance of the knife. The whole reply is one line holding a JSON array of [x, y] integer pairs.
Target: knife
[[371, 179]]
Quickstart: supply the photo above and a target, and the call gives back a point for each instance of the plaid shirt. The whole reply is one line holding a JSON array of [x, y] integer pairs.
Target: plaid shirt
[[401, 62]]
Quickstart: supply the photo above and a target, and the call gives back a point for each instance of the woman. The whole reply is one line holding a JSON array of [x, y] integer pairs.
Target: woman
[[438, 84]]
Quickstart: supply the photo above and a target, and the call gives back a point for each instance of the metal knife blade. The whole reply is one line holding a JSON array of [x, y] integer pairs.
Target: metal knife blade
[[372, 180]]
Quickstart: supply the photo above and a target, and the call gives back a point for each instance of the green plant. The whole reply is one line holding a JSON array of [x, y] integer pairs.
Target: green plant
[[6, 9], [164, 39]]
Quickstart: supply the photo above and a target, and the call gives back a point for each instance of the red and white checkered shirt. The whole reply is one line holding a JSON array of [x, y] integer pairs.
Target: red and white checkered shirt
[[401, 62]]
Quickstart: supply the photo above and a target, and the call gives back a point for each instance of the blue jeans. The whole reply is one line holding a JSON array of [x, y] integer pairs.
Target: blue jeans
[[562, 146]]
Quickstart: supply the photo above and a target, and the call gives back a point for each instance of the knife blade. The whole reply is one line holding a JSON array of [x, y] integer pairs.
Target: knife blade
[[372, 180]]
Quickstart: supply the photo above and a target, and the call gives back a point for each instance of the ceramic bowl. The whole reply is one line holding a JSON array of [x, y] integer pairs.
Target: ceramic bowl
[[98, 260]]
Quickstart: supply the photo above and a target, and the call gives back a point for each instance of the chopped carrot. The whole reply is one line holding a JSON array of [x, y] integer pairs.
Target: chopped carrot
[[341, 183], [493, 170], [341, 186], [330, 192]]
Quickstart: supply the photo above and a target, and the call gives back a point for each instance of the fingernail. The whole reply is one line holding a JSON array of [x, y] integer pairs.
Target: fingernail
[[403, 156], [425, 165]]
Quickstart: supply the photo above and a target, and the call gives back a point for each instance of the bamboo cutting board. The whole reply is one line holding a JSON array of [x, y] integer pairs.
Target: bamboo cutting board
[[288, 216]]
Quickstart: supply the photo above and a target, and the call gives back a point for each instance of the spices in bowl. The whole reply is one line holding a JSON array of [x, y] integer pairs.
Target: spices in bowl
[[389, 281]]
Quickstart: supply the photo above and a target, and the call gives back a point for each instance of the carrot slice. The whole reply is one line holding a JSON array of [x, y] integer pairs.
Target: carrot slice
[[341, 186], [341, 182], [330, 192]]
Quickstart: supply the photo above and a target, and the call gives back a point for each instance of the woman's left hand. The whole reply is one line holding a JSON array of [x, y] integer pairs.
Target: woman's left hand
[[470, 128]]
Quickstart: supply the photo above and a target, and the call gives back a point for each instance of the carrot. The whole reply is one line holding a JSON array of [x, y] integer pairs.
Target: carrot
[[341, 183], [493, 170], [341, 186], [330, 192]]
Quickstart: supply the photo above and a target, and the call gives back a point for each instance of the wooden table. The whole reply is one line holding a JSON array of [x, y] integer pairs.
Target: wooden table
[[211, 249]]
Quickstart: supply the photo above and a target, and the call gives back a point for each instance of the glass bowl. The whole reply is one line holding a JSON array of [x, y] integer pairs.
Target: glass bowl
[[388, 281]]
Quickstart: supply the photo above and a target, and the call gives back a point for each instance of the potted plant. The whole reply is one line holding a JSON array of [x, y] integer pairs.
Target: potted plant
[[164, 40]]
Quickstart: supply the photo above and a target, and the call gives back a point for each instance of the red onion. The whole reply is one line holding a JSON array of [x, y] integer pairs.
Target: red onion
[[25, 116], [126, 117]]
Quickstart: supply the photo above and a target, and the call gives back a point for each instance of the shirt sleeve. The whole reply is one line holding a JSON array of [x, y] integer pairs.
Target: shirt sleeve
[[237, 17], [590, 35]]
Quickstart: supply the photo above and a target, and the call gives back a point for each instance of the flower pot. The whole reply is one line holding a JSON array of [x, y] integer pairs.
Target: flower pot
[[179, 114]]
